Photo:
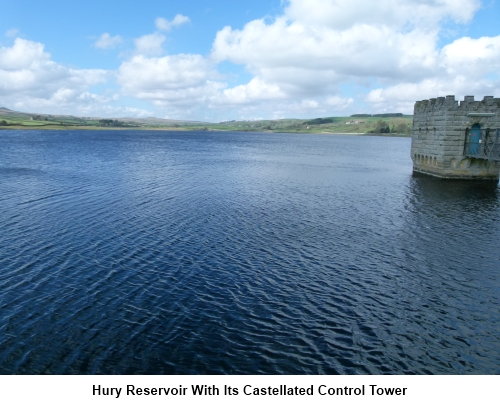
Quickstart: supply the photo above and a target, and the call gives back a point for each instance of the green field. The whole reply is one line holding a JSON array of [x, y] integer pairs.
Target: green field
[[12, 119], [384, 125], [338, 125]]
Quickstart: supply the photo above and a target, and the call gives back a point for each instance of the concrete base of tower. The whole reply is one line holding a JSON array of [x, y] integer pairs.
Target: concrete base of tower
[[484, 175]]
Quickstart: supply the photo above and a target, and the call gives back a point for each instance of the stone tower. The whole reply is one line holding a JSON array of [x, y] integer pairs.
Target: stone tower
[[457, 141]]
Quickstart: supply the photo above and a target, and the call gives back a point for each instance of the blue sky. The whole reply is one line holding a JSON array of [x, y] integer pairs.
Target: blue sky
[[219, 60]]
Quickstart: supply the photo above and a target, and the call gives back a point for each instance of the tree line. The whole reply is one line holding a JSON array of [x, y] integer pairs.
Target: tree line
[[111, 123], [382, 127]]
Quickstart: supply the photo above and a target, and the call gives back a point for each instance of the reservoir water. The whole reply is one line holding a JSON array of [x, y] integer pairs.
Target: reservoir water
[[150, 252]]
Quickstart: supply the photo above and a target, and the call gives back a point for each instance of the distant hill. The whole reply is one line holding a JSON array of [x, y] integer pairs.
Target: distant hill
[[6, 112], [391, 124], [16, 115], [158, 121]]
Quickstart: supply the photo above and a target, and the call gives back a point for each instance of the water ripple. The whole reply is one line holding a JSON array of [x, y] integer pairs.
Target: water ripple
[[140, 252]]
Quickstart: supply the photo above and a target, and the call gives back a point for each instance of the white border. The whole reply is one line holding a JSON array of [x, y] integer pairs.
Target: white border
[[422, 390]]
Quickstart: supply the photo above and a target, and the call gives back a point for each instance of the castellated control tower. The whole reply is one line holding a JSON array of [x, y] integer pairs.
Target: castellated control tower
[[457, 141]]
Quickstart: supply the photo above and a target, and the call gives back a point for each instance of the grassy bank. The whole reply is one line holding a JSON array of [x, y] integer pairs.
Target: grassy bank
[[396, 126]]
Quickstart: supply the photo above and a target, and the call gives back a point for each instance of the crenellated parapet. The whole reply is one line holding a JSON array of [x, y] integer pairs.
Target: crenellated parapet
[[448, 103], [441, 127]]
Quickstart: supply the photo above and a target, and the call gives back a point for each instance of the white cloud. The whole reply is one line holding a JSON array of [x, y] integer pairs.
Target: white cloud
[[135, 112], [315, 51], [98, 109], [22, 55], [12, 32], [256, 90], [317, 45], [299, 64], [150, 45], [466, 66], [339, 103], [474, 56], [301, 58], [175, 79], [106, 41], [166, 25], [30, 80], [343, 14]]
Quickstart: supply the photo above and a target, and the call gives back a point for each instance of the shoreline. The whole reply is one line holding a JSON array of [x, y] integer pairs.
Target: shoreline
[[84, 128]]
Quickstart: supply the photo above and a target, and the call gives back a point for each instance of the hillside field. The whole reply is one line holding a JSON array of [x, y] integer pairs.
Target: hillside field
[[391, 124]]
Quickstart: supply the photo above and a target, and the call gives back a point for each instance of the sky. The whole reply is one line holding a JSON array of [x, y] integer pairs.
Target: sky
[[216, 60]]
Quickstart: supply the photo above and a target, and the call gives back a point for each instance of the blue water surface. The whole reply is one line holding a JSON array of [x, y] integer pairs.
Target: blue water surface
[[151, 252]]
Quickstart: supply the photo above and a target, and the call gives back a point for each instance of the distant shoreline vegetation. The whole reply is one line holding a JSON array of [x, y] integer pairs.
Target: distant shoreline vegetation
[[387, 115], [396, 124]]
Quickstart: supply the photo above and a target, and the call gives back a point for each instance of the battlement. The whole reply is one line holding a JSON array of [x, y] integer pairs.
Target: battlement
[[448, 103], [442, 127]]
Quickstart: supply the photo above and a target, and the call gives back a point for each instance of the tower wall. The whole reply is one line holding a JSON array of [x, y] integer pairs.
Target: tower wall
[[438, 137]]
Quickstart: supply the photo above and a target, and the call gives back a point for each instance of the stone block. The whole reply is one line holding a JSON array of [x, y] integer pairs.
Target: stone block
[[439, 131]]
